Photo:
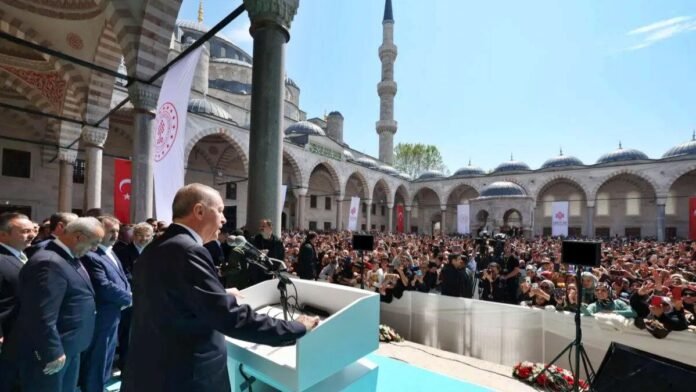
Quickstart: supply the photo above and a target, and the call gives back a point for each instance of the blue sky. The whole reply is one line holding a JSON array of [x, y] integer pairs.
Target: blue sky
[[485, 79]]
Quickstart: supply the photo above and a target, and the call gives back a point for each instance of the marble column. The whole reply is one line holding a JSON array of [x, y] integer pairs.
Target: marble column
[[368, 221], [443, 220], [589, 227], [144, 100], [339, 212], [390, 218], [301, 196], [661, 221], [407, 219], [66, 162], [93, 140], [270, 27]]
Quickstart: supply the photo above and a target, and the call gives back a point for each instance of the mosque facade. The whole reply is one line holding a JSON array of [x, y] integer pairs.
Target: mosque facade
[[51, 164]]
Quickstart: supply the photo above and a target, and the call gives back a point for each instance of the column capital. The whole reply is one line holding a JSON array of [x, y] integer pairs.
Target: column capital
[[408, 208], [94, 136], [300, 192], [67, 155], [390, 205], [443, 207], [143, 96], [264, 13], [590, 204], [368, 201]]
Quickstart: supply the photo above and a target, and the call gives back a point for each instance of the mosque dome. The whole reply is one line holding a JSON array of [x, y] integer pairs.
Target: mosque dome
[[511, 166], [621, 155], [502, 189], [388, 169], [561, 161], [469, 171], [203, 106], [304, 128], [365, 161], [688, 148], [348, 155], [405, 176], [430, 175]]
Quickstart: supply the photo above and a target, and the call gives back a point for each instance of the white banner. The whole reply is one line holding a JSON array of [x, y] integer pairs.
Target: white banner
[[169, 133], [353, 213], [463, 219], [283, 193], [559, 218]]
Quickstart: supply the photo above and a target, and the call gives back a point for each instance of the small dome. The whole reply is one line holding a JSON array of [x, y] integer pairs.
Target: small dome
[[468, 171], [405, 176], [336, 114], [365, 161], [622, 154], [688, 148], [562, 161], [388, 169], [304, 128], [511, 166], [203, 106], [502, 189], [430, 175], [348, 155]]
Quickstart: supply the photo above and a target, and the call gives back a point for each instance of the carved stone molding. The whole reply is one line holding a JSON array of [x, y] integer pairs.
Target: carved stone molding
[[278, 12], [143, 96], [67, 155], [94, 136]]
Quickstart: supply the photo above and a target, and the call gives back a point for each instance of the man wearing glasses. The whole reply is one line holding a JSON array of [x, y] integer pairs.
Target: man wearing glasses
[[57, 310]]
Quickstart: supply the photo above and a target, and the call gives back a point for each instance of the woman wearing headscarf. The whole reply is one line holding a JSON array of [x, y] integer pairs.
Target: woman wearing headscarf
[[606, 304]]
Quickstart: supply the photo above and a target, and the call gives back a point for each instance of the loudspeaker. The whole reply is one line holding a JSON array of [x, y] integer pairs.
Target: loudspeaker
[[363, 242], [628, 369], [581, 253]]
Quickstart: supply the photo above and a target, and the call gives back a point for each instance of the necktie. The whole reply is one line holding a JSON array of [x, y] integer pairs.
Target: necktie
[[23, 258]]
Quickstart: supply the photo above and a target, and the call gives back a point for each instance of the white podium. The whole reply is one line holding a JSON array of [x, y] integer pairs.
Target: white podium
[[329, 358]]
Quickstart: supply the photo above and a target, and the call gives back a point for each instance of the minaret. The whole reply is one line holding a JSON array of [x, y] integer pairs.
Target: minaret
[[200, 12], [386, 126]]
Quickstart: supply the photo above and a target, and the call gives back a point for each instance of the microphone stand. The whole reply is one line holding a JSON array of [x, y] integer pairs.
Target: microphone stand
[[283, 280]]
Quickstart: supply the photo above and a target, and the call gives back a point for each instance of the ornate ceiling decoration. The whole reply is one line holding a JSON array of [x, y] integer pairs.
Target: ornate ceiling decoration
[[59, 9]]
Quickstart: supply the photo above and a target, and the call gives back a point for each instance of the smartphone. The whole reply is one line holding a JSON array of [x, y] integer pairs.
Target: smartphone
[[656, 301], [535, 286], [677, 293]]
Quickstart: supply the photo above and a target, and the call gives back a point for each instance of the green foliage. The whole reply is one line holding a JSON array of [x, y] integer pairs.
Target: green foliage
[[416, 158]]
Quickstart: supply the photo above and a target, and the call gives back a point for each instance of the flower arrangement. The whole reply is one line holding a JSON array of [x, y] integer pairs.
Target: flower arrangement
[[387, 334], [553, 379]]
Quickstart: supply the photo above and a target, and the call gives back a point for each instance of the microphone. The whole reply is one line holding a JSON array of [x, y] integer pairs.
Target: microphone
[[255, 256]]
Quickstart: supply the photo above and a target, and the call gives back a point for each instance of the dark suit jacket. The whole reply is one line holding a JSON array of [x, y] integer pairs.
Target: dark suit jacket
[[57, 309], [38, 246], [110, 284], [127, 255], [216, 252], [306, 261], [9, 280], [180, 313]]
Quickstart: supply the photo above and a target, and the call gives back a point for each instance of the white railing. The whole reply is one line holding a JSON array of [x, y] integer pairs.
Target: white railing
[[507, 334]]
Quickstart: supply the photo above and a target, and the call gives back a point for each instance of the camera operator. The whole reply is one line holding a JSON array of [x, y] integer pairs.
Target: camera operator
[[510, 274], [493, 286]]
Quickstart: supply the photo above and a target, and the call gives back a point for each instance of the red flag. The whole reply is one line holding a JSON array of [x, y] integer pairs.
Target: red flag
[[122, 189], [692, 218], [399, 218]]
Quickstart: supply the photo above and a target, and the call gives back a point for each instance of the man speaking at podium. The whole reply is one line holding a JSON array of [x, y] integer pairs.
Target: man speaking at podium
[[181, 311]]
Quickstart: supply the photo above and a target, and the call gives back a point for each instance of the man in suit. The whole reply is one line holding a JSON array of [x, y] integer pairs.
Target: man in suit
[[128, 255], [307, 260], [57, 224], [112, 295], [219, 249], [16, 234], [56, 316], [267, 242], [181, 311]]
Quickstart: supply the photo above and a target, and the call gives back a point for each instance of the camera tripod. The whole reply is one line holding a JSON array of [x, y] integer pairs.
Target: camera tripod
[[580, 353]]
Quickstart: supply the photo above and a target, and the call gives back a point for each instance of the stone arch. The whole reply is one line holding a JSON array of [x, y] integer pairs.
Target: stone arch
[[367, 192], [546, 185], [101, 86], [12, 81], [422, 188], [335, 178], [296, 171], [677, 174], [457, 187], [513, 216], [593, 191], [403, 190], [385, 187], [227, 134]]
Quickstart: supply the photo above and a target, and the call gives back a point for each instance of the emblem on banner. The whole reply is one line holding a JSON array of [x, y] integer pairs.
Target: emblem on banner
[[166, 130], [353, 211], [559, 215]]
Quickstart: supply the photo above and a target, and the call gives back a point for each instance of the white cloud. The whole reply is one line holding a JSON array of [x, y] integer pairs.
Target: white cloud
[[662, 30], [240, 34]]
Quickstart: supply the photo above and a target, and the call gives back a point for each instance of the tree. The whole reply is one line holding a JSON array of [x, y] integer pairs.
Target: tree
[[416, 158]]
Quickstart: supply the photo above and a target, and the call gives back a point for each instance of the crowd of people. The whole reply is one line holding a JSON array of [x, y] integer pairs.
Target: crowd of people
[[93, 258]]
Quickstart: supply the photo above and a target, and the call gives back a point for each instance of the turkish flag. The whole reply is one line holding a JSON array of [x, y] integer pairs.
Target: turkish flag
[[122, 189], [399, 218], [692, 218]]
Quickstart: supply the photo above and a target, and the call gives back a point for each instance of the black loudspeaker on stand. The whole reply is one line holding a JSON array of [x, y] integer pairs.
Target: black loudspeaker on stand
[[581, 254]]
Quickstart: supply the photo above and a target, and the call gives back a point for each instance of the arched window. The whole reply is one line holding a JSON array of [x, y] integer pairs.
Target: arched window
[[632, 203], [602, 204]]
